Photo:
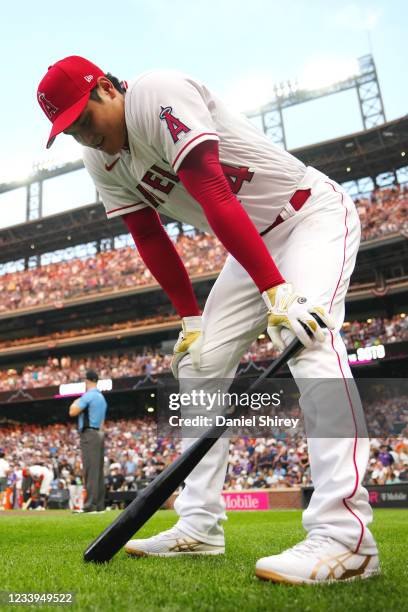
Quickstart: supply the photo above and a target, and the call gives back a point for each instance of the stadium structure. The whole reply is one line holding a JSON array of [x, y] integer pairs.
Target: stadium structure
[[366, 162]]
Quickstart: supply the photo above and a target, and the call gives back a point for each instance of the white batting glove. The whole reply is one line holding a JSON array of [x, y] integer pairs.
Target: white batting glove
[[290, 310], [190, 341]]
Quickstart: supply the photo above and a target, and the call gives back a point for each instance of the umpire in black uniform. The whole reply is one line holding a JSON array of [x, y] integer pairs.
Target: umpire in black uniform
[[90, 409]]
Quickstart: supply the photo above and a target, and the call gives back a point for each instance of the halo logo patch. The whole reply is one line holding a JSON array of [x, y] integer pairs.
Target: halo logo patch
[[174, 125]]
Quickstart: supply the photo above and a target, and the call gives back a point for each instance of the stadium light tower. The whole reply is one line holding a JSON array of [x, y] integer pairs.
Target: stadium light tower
[[363, 78], [369, 93]]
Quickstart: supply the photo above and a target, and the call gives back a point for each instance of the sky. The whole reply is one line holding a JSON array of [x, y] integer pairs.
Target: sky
[[239, 49]]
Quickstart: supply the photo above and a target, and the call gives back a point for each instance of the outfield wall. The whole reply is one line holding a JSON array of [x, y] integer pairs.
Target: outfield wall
[[380, 496], [296, 498], [259, 499]]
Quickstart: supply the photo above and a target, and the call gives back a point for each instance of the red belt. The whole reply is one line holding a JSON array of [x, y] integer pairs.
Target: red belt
[[297, 200]]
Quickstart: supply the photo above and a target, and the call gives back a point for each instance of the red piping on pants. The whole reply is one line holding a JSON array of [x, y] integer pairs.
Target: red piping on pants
[[345, 499]]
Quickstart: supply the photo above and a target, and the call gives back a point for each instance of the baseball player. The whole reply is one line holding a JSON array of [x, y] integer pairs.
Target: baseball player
[[166, 144], [4, 473], [43, 475]]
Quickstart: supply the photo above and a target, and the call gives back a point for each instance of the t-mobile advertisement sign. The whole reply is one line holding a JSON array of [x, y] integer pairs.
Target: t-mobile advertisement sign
[[250, 500]]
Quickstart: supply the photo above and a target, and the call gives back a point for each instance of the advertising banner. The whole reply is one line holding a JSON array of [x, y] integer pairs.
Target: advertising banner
[[248, 500]]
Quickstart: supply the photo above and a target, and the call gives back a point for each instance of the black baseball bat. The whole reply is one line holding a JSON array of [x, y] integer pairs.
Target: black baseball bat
[[111, 540]]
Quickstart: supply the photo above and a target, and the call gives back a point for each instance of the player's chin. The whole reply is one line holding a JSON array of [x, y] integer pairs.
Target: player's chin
[[105, 145], [111, 148]]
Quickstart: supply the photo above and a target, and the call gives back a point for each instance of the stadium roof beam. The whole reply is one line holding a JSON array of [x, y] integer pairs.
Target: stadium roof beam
[[289, 94], [369, 153], [41, 174]]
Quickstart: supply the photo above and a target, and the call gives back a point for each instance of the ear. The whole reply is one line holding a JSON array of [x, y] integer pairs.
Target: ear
[[106, 87]]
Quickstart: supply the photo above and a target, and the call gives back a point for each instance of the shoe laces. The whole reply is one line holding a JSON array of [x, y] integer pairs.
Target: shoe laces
[[310, 545]]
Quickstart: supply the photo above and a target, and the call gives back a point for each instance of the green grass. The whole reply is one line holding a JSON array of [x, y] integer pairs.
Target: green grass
[[43, 552]]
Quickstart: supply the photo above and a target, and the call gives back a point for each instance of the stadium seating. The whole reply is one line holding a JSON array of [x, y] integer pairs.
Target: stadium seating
[[148, 360], [383, 213], [134, 452]]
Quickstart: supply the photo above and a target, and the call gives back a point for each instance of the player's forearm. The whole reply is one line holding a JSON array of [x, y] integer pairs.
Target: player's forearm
[[202, 176], [160, 256]]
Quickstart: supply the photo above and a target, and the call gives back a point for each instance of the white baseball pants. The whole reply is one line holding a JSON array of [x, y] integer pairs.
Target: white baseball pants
[[46, 483], [315, 249]]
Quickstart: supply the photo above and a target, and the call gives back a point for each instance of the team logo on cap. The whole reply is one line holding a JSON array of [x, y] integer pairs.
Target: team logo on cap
[[88, 78], [48, 107]]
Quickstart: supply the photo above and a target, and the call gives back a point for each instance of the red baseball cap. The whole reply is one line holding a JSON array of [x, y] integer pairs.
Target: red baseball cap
[[64, 91]]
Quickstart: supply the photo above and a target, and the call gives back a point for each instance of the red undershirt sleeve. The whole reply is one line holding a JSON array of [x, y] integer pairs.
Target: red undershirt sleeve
[[160, 256], [203, 178]]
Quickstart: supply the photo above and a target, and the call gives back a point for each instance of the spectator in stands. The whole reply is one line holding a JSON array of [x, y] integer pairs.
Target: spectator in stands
[[149, 361], [385, 212], [392, 479], [65, 470], [116, 479], [377, 472], [403, 475], [116, 269], [130, 468], [150, 453], [385, 456]]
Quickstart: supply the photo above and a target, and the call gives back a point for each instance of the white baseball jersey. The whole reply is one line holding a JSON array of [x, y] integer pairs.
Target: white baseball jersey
[[4, 468], [167, 115], [36, 471]]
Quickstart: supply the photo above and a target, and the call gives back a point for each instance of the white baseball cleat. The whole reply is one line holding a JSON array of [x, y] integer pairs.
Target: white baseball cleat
[[171, 543], [317, 560]]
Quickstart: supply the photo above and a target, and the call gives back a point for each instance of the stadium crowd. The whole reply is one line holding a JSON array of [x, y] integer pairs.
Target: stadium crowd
[[109, 270], [134, 452], [378, 330], [61, 370], [384, 212], [52, 338], [135, 455], [355, 333], [149, 361]]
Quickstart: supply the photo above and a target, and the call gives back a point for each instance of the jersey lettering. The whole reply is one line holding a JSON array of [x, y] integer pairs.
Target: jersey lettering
[[157, 179], [157, 182], [152, 199], [166, 173], [236, 176], [174, 124]]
